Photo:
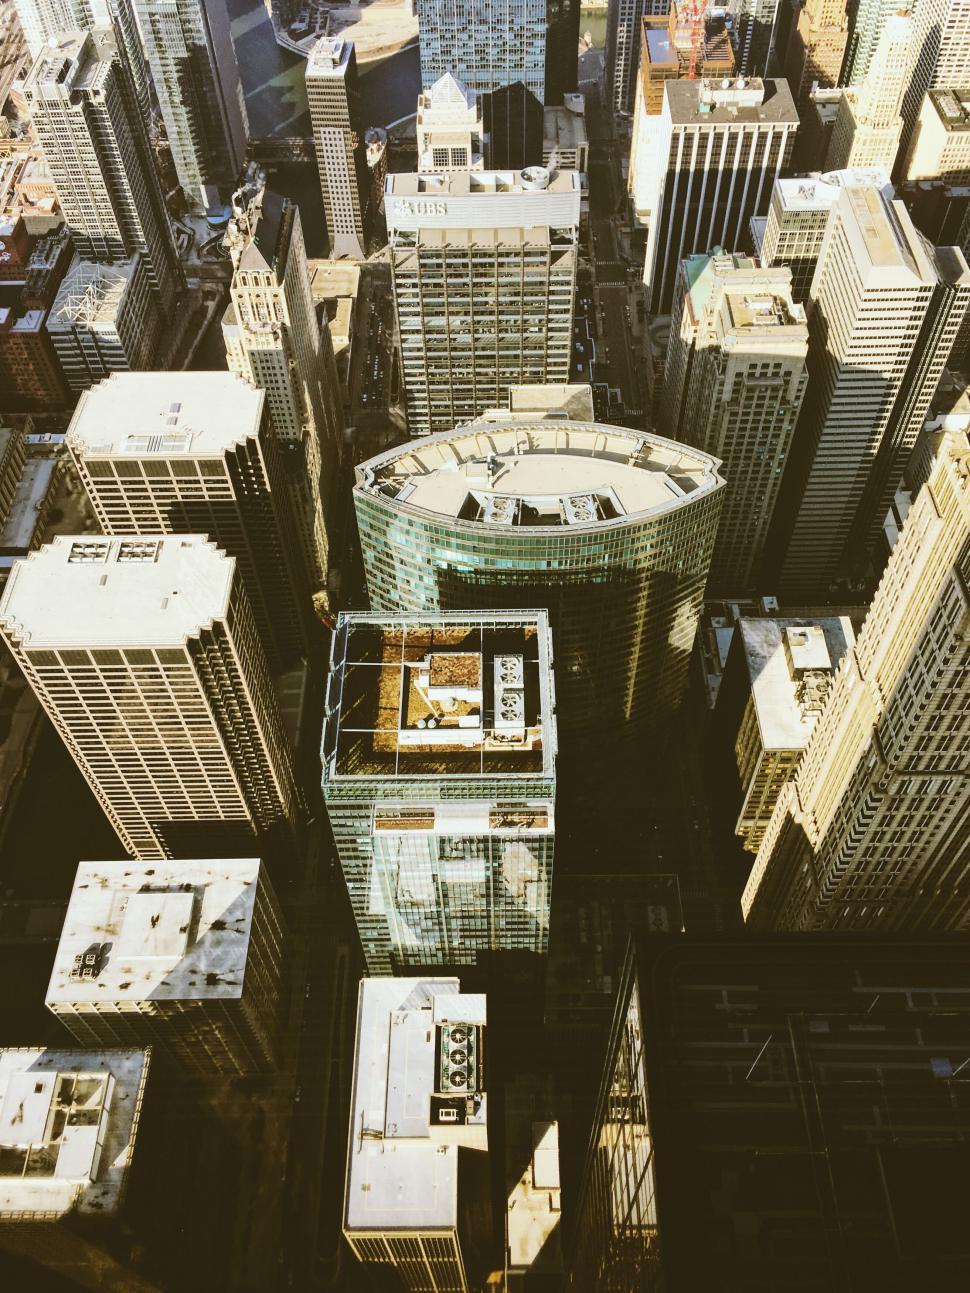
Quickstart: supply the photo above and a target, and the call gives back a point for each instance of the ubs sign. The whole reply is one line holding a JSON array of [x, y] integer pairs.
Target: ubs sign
[[405, 207]]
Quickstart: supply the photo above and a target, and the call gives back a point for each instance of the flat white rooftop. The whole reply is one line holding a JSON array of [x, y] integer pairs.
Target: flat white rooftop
[[68, 1123], [159, 930], [165, 415], [330, 55], [398, 1177], [776, 651], [540, 474], [86, 591], [819, 192], [886, 246]]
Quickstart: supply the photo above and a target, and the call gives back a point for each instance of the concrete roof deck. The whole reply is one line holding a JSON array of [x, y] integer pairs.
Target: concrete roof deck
[[398, 1178], [883, 238], [538, 470], [783, 724], [24, 1196], [819, 192], [166, 415], [86, 591], [685, 102], [174, 930]]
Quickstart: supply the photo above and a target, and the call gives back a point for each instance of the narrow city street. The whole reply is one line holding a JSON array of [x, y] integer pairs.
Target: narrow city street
[[615, 278]]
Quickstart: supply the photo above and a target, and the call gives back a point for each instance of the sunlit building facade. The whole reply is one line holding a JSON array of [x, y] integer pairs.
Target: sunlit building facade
[[872, 831], [145, 655]]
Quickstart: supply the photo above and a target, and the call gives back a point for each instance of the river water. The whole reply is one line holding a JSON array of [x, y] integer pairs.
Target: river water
[[273, 78], [273, 82]]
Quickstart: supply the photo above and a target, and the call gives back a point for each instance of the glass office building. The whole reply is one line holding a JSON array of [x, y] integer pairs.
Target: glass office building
[[610, 530], [780, 1112], [439, 747]]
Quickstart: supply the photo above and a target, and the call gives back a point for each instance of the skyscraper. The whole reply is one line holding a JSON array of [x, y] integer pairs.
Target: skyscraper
[[185, 956], [145, 655], [484, 267], [872, 833], [196, 77], [416, 1189], [777, 677], [707, 131], [611, 530], [517, 54], [623, 32], [105, 319], [815, 49], [338, 139], [870, 20], [733, 386], [204, 463], [42, 19], [939, 147], [69, 1142], [439, 755], [941, 49], [492, 45], [735, 1068], [797, 219], [752, 30], [82, 106], [868, 125], [274, 339], [449, 127], [886, 308]]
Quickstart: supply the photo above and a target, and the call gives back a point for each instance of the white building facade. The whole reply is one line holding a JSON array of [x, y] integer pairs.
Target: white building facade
[[484, 266], [145, 655]]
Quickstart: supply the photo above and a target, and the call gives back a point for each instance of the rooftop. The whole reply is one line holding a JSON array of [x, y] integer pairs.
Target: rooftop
[[85, 591], [463, 184], [819, 192], [573, 401], [27, 510], [91, 295], [533, 475], [448, 94], [884, 242], [158, 930], [333, 278], [952, 107], [660, 47], [448, 695], [762, 1054], [68, 1124], [564, 127], [790, 663], [329, 54], [70, 62], [165, 415], [763, 310], [730, 100], [401, 1175]]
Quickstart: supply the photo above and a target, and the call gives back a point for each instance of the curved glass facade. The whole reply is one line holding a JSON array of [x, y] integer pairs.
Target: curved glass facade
[[610, 530]]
